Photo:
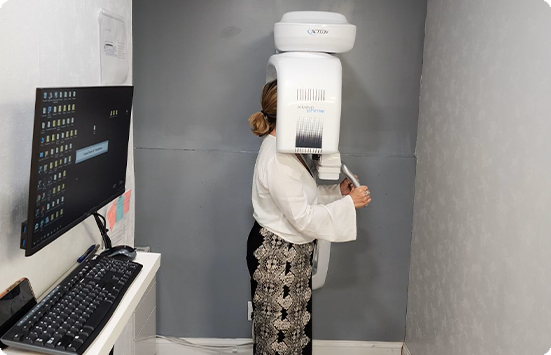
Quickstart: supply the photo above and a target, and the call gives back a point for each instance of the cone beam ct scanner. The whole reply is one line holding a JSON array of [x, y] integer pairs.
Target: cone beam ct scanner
[[309, 97]]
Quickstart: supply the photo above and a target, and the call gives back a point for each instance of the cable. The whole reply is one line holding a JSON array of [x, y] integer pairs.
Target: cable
[[185, 342], [102, 225], [216, 348]]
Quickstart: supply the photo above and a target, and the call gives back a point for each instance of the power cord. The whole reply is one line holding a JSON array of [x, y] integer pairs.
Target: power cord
[[102, 225], [215, 348]]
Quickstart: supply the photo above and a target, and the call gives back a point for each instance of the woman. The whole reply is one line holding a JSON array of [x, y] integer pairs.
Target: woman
[[291, 212]]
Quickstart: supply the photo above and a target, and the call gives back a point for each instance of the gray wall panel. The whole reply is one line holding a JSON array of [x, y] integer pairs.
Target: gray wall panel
[[199, 68], [366, 291], [201, 223]]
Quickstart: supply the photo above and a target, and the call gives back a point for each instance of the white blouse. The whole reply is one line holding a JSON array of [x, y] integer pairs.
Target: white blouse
[[288, 202]]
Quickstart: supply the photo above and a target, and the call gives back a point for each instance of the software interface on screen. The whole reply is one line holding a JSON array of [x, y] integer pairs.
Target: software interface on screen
[[79, 156]]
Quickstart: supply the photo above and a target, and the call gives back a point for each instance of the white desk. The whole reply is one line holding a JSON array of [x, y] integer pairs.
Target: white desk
[[105, 341]]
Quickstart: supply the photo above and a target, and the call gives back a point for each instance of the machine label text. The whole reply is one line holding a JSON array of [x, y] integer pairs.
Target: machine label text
[[317, 31], [310, 109]]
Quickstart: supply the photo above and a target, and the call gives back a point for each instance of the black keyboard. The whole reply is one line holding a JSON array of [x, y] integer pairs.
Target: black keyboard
[[72, 315]]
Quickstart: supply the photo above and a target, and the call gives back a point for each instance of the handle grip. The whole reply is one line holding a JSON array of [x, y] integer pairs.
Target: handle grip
[[349, 175]]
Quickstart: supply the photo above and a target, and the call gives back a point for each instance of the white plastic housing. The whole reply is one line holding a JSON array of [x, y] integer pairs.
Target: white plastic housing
[[329, 166], [314, 31], [322, 254], [308, 101]]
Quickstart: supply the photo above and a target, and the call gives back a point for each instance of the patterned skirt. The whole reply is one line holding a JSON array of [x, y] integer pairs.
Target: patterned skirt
[[281, 290]]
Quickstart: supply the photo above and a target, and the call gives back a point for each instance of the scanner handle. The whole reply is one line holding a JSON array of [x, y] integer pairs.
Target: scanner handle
[[349, 175]]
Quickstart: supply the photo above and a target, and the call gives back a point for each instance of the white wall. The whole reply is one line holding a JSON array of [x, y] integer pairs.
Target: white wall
[[43, 43], [480, 279]]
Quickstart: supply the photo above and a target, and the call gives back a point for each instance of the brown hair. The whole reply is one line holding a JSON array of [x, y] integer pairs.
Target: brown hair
[[263, 122]]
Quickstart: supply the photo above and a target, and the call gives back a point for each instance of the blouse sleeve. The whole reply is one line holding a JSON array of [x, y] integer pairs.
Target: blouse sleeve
[[334, 222], [329, 193]]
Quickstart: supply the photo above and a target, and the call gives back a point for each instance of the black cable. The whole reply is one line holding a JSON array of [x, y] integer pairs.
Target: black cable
[[102, 225]]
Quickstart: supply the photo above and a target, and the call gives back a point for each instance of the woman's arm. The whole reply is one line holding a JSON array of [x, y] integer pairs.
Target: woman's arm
[[334, 221], [329, 193]]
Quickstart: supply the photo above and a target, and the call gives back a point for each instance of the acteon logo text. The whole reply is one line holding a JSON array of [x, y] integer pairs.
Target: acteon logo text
[[317, 31]]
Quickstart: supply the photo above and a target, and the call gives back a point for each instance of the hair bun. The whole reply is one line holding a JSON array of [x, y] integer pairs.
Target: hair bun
[[259, 124], [264, 122]]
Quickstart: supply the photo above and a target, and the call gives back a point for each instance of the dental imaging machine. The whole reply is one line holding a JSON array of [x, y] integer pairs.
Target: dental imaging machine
[[309, 80]]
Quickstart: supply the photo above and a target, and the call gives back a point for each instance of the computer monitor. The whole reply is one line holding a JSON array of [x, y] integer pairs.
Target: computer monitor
[[79, 156]]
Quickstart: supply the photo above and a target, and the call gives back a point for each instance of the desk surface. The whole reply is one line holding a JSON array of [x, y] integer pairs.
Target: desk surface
[[105, 341]]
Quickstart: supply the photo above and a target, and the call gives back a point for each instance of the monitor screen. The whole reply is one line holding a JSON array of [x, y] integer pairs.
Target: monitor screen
[[79, 156]]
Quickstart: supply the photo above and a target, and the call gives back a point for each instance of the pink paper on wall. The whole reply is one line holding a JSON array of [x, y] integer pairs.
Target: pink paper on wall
[[127, 201], [112, 215]]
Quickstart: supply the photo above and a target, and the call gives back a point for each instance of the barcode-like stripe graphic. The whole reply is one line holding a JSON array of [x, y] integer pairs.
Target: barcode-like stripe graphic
[[309, 132], [310, 95], [308, 150]]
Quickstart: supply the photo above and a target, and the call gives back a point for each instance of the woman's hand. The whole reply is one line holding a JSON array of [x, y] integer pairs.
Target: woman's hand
[[346, 186], [361, 196]]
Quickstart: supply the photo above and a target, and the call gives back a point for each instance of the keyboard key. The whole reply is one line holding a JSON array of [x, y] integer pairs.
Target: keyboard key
[[98, 315], [61, 344], [75, 345], [37, 329], [50, 343], [83, 335]]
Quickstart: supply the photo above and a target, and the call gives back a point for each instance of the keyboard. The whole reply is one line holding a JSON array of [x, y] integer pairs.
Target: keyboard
[[72, 315]]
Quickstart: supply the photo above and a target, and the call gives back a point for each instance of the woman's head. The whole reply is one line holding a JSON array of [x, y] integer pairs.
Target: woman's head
[[263, 122]]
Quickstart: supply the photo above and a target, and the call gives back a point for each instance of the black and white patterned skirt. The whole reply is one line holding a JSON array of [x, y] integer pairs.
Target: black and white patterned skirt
[[281, 290]]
